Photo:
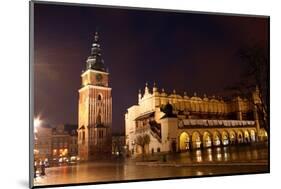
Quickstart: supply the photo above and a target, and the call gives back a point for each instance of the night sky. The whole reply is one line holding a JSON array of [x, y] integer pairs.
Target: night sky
[[183, 51]]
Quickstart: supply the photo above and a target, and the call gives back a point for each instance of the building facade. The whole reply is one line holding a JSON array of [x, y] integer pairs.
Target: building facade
[[95, 107], [176, 123], [64, 144], [43, 144]]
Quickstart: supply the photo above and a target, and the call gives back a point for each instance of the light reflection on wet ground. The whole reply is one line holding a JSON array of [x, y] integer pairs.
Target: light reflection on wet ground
[[245, 153], [222, 160]]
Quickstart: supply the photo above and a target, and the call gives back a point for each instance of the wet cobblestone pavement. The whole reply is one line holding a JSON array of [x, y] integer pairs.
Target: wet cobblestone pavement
[[213, 161]]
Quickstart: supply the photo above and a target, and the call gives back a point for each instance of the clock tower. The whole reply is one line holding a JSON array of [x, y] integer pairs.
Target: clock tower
[[95, 108]]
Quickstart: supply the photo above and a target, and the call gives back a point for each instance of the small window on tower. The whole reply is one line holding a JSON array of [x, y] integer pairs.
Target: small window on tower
[[99, 97]]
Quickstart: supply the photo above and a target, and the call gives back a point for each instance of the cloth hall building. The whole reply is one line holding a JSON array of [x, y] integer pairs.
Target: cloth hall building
[[177, 123]]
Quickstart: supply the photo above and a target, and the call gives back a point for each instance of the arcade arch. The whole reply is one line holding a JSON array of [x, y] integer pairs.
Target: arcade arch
[[224, 138], [216, 139], [246, 136], [207, 141], [253, 135], [232, 137], [184, 141], [239, 137], [196, 141]]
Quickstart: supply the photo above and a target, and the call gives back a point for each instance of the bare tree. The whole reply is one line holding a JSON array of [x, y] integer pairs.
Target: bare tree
[[256, 74], [142, 141]]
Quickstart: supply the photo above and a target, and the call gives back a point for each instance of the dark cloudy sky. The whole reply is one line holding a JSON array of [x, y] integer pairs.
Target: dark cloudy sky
[[183, 51]]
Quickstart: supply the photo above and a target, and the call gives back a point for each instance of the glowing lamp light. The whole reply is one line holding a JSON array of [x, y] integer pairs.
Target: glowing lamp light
[[37, 122]]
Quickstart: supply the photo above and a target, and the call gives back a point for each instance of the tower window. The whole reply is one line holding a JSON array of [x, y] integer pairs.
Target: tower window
[[99, 97]]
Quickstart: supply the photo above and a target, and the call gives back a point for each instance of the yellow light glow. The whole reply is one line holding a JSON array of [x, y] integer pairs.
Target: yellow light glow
[[37, 122]]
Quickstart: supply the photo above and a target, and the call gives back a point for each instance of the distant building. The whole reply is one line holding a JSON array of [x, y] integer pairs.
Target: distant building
[[178, 123], [73, 139], [64, 143], [43, 143], [94, 108]]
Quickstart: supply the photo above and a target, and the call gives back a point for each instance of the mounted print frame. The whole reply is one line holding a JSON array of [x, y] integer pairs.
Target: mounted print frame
[[122, 94]]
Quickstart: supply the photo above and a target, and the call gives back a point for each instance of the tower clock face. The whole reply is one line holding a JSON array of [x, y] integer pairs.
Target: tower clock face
[[99, 77]]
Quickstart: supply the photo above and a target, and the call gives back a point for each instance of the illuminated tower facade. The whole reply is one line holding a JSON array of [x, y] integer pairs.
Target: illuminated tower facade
[[95, 107]]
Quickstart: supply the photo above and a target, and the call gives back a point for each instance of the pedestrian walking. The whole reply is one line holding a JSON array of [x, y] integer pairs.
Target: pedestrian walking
[[35, 169], [43, 169]]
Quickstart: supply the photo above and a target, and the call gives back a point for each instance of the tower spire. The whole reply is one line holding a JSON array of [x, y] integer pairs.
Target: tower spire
[[146, 89], [95, 60], [154, 89]]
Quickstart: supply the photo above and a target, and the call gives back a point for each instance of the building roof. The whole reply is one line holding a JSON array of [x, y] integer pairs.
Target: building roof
[[147, 115], [71, 129]]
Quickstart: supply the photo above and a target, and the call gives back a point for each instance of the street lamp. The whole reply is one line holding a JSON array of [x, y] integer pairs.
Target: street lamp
[[37, 122]]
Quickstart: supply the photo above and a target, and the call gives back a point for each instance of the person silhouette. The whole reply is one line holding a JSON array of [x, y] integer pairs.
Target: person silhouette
[[35, 169], [43, 173]]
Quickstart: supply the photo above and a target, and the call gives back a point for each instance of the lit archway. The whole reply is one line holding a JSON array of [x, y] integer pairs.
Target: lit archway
[[232, 137], [216, 139], [224, 138], [253, 135], [240, 137], [196, 141], [246, 136], [263, 135], [207, 141], [184, 141]]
